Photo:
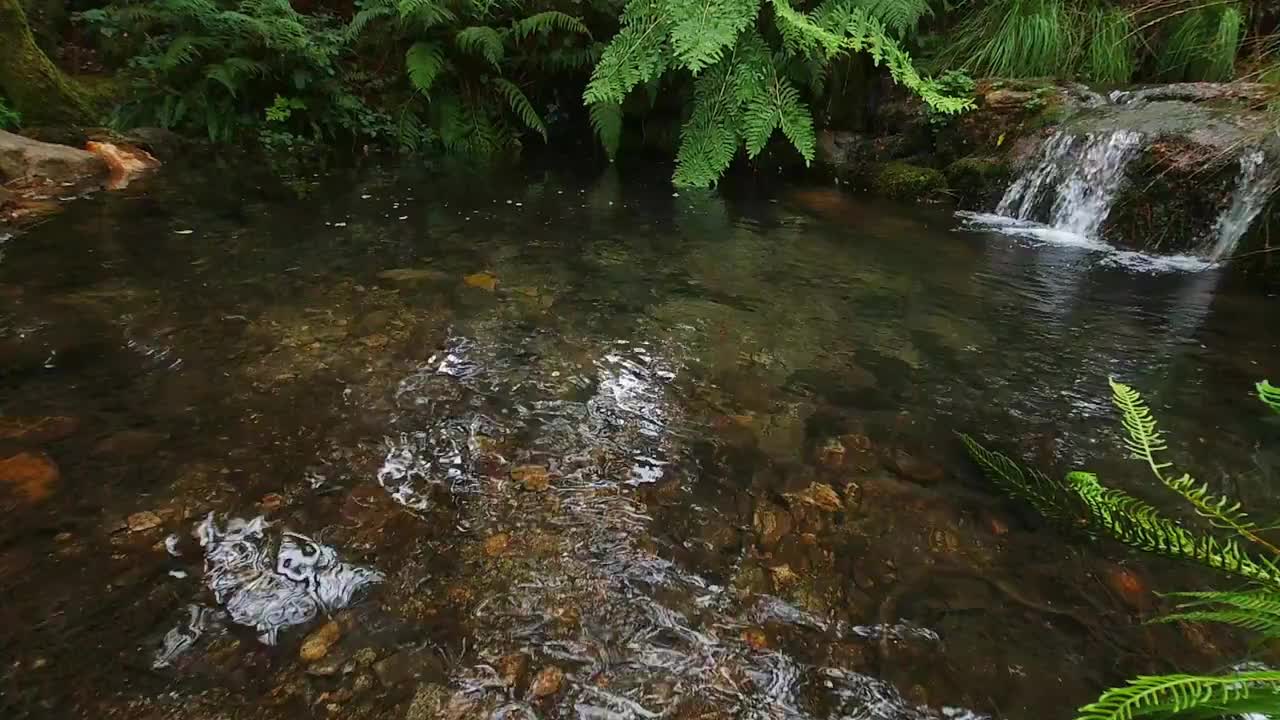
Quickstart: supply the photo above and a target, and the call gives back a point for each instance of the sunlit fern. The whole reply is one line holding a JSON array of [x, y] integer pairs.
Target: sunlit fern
[[1269, 394], [1188, 696], [1256, 610]]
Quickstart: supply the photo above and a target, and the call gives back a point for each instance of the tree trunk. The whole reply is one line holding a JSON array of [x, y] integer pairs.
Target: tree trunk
[[36, 88]]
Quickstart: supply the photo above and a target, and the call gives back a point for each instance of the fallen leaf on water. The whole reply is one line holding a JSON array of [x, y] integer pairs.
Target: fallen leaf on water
[[481, 280]]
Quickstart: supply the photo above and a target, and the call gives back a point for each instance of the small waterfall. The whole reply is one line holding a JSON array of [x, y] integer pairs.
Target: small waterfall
[[1254, 185], [1081, 173]]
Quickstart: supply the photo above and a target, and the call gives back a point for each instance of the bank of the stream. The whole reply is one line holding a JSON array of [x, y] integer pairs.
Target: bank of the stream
[[557, 445]]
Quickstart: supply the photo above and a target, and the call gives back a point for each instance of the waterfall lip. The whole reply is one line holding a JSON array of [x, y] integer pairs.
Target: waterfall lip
[[1044, 235]]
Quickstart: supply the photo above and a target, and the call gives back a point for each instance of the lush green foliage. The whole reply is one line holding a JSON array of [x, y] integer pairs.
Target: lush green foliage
[[469, 66], [9, 117], [215, 67], [1101, 40], [744, 88], [1242, 551]]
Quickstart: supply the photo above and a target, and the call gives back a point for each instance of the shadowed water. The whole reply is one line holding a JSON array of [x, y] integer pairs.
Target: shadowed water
[[545, 445]]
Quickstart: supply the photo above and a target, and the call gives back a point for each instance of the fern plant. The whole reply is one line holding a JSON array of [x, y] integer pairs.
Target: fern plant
[[215, 66], [470, 65], [1233, 543], [744, 87]]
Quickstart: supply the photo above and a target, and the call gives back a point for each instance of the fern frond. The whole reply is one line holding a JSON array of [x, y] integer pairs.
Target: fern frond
[[425, 13], [779, 107], [1052, 499], [703, 30], [423, 61], [606, 120], [710, 137], [637, 54], [481, 40], [366, 16], [1172, 694], [898, 16], [1138, 524], [1256, 610], [546, 22], [1269, 394], [1144, 437], [520, 105]]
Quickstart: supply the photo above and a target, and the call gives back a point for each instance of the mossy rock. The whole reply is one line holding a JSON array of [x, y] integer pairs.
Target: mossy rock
[[979, 179], [904, 181]]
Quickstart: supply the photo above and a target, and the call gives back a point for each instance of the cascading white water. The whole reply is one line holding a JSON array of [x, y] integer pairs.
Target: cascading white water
[[1083, 172], [1255, 183]]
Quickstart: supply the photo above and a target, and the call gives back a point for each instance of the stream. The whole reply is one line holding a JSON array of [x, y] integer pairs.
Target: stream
[[547, 444]]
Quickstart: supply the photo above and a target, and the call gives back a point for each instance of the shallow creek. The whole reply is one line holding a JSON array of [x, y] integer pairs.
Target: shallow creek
[[545, 445]]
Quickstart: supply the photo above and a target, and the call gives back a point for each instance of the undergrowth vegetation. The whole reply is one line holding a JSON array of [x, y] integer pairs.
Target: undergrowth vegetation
[[709, 80], [9, 117], [1226, 539]]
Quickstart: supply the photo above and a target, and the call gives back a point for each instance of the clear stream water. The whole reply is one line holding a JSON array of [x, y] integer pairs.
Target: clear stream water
[[554, 445]]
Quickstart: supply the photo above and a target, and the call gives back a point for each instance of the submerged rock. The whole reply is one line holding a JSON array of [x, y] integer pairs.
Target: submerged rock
[[37, 430], [29, 475], [547, 682], [319, 641]]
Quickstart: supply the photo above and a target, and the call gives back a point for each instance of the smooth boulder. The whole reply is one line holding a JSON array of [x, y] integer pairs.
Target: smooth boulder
[[27, 160]]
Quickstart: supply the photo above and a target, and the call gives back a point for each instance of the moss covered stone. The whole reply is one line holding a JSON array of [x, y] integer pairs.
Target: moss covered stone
[[904, 181], [979, 179]]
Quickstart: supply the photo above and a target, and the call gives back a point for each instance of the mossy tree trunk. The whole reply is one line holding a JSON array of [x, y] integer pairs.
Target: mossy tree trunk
[[34, 85]]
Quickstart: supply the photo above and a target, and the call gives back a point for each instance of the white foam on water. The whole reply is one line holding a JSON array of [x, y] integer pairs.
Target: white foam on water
[[1108, 254], [264, 583]]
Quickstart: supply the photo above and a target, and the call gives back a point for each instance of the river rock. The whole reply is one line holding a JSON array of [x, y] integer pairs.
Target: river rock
[[497, 544], [819, 495], [29, 475], [130, 443], [915, 469], [771, 526], [547, 682], [143, 521], [24, 159], [513, 669], [317, 644], [481, 280], [533, 478]]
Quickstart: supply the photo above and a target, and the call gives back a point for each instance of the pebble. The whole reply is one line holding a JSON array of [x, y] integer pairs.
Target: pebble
[[533, 478], [319, 642], [143, 521], [547, 682], [497, 544]]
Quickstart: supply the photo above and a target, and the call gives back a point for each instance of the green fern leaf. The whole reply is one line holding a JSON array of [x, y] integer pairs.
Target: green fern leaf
[[779, 107], [1052, 499], [636, 54], [366, 17], [1173, 694], [899, 16], [425, 13], [1256, 610], [606, 120], [710, 137], [546, 22], [703, 30], [1269, 394], [481, 40], [1144, 438], [423, 61], [1138, 524], [520, 105]]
